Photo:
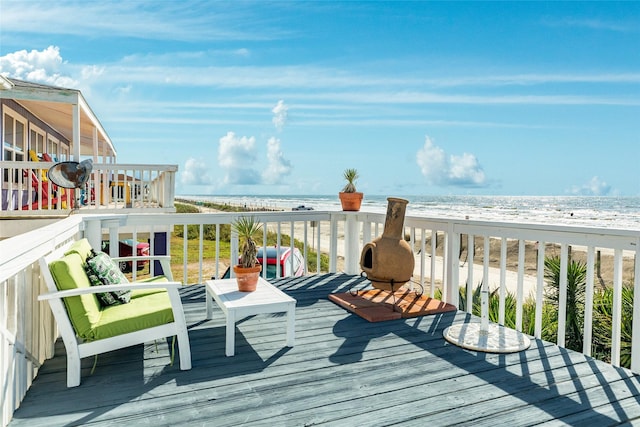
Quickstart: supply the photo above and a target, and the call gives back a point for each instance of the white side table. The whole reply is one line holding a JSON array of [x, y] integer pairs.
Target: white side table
[[237, 305]]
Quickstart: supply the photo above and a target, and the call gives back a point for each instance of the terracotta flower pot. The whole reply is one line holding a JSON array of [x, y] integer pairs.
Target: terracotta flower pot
[[351, 201], [247, 278]]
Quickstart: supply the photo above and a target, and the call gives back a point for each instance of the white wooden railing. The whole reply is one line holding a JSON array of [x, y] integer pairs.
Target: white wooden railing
[[27, 328], [27, 331], [26, 190]]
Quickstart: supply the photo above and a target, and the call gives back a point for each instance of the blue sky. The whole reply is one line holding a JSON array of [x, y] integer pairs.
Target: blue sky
[[422, 98]]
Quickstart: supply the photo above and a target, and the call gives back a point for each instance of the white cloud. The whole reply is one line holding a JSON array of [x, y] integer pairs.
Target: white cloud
[[236, 156], [44, 66], [463, 171], [594, 187], [466, 171], [196, 172], [243, 52], [279, 115], [157, 20], [432, 161], [89, 72], [277, 166]]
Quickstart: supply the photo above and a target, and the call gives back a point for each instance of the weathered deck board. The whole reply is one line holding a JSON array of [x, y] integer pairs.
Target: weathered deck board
[[342, 371]]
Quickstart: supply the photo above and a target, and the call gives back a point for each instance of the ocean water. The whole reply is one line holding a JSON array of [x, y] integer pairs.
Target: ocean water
[[608, 212]]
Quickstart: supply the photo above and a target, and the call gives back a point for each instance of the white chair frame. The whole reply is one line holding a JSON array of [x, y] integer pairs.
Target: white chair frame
[[77, 349]]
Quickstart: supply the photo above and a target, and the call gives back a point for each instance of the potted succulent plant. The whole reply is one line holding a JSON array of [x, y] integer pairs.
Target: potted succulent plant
[[350, 198], [248, 270]]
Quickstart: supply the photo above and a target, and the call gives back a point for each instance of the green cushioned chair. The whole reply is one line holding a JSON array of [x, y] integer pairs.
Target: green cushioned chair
[[154, 311]]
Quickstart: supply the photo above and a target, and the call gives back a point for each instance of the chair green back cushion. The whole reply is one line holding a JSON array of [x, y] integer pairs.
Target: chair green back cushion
[[81, 247], [83, 310]]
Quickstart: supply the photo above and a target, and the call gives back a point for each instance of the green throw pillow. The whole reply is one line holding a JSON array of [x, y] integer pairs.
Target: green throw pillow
[[102, 270]]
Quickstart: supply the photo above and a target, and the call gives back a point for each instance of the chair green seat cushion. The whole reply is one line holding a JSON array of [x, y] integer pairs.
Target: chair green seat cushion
[[84, 310], [140, 313]]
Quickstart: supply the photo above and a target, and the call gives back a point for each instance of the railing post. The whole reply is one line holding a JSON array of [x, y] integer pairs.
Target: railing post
[[113, 226], [169, 188], [366, 231], [233, 252], [333, 245], [352, 248], [93, 231], [450, 263]]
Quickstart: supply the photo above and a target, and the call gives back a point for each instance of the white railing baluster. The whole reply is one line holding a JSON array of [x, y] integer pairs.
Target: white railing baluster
[[200, 252], [278, 243], [520, 288], [292, 244], [503, 280], [318, 253], [470, 285], [217, 255], [305, 246], [484, 294], [422, 263], [185, 252], [333, 247], [588, 302], [562, 295], [434, 246], [616, 318], [539, 289]]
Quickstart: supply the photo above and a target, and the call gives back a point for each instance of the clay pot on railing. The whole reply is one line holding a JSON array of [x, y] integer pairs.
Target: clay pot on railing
[[351, 201]]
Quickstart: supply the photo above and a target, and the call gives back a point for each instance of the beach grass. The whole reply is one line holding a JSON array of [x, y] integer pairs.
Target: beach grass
[[209, 247]]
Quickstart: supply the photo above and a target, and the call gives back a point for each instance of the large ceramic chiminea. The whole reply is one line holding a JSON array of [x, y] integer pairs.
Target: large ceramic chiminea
[[388, 260]]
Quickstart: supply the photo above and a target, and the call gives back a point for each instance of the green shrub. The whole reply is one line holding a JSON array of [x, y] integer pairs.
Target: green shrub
[[603, 325], [576, 284]]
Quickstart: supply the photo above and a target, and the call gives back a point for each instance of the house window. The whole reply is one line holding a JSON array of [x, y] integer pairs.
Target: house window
[[14, 140], [36, 140], [53, 148], [64, 152]]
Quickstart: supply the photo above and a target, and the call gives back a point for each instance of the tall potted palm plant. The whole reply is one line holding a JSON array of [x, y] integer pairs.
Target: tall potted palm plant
[[350, 198], [248, 270]]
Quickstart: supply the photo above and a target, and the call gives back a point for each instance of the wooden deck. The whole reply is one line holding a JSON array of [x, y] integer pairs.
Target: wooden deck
[[343, 371]]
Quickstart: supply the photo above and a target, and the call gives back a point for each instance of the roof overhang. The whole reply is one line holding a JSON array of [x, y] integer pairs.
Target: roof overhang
[[5, 83], [55, 106]]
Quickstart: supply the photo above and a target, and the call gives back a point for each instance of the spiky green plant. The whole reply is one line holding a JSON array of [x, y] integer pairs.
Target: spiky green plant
[[576, 284], [247, 228], [528, 310], [350, 175], [494, 305], [603, 325]]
